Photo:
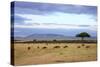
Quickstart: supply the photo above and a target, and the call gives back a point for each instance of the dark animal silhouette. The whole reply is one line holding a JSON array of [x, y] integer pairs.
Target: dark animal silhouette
[[29, 48], [87, 46], [56, 46], [44, 47], [78, 47], [65, 46]]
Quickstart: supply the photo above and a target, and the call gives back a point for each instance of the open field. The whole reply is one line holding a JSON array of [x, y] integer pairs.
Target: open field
[[43, 53]]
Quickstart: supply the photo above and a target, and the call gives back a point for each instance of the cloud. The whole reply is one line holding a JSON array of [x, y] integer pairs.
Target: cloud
[[58, 26], [62, 18], [58, 21], [19, 10], [18, 19], [48, 8]]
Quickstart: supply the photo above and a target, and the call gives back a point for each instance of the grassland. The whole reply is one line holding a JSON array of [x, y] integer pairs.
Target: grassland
[[44, 53]]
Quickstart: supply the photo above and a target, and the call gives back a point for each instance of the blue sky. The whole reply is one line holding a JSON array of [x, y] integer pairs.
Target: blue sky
[[32, 16]]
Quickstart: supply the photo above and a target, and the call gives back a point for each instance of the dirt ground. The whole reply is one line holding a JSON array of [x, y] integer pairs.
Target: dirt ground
[[43, 53]]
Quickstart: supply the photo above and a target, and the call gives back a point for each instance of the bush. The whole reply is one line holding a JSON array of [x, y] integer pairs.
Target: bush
[[61, 53], [83, 44]]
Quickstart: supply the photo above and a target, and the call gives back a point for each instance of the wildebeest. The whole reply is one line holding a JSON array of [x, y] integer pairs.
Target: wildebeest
[[29, 48], [78, 47], [38, 47], [44, 47], [56, 46], [65, 46], [87, 46]]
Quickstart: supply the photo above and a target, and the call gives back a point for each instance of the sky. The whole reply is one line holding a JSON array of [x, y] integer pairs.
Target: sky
[[34, 18]]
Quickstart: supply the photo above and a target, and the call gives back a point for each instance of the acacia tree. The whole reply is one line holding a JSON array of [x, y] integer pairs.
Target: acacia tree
[[83, 35]]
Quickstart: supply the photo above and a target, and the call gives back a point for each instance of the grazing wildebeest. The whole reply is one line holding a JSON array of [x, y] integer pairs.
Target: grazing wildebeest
[[65, 46], [29, 48], [78, 47], [38, 47], [87, 46], [56, 46], [44, 47]]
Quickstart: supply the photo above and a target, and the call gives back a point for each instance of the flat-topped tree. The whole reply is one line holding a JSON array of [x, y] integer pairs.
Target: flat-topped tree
[[83, 35]]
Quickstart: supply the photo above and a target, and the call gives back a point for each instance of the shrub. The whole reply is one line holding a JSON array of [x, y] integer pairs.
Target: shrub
[[83, 44], [61, 53]]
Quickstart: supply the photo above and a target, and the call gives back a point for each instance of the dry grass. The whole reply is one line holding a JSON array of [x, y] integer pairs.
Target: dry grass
[[41, 53]]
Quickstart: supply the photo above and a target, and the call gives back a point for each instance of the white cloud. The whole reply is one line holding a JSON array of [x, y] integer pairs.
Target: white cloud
[[64, 18], [59, 20], [47, 26], [57, 26]]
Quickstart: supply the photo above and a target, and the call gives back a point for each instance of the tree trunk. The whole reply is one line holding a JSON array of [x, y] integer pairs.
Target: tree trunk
[[82, 41]]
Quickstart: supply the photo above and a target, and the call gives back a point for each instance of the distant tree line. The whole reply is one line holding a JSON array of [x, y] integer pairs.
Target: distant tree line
[[60, 41]]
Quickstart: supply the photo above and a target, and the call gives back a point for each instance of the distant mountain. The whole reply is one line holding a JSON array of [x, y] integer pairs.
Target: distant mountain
[[49, 37], [45, 37], [18, 38]]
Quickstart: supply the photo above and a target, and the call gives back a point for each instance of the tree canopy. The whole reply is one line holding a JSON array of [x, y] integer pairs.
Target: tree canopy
[[83, 34]]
